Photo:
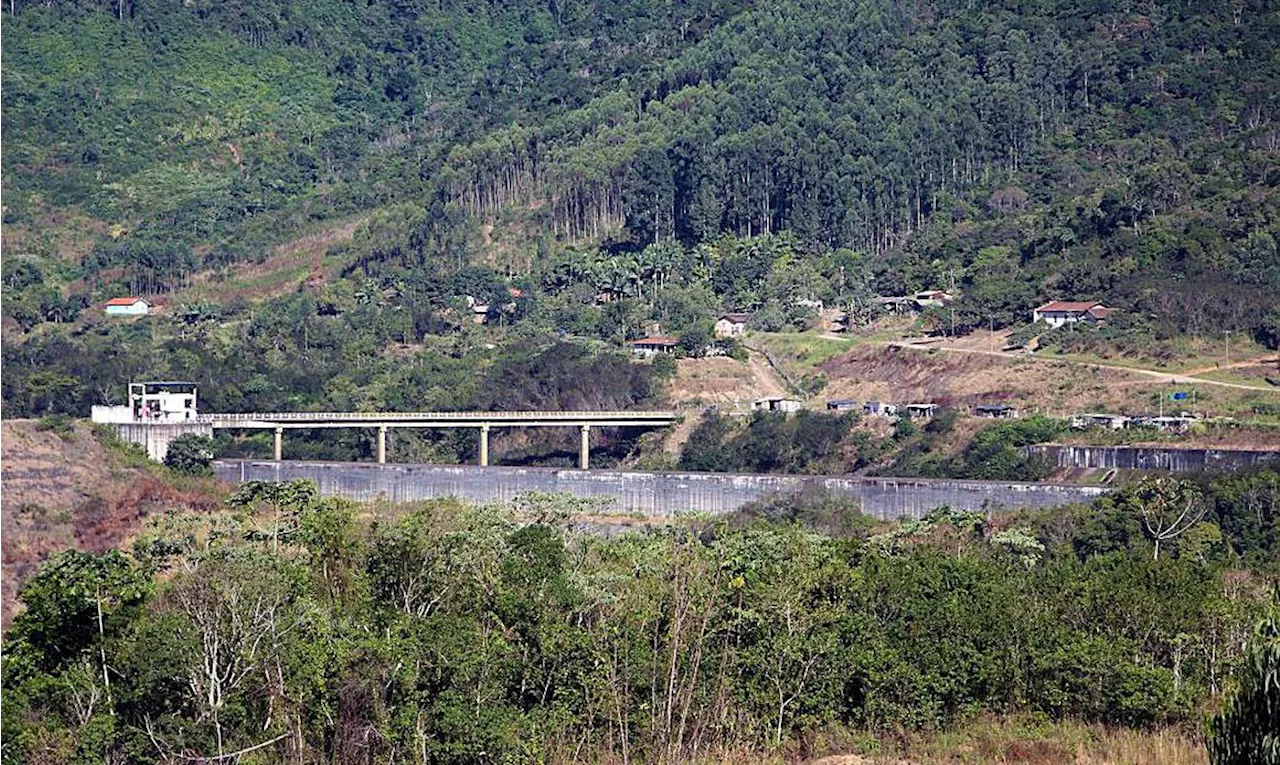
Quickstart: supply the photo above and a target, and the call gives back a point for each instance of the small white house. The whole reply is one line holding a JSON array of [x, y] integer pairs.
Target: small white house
[[1061, 312], [127, 306], [1099, 420], [777, 404], [732, 324], [925, 411]]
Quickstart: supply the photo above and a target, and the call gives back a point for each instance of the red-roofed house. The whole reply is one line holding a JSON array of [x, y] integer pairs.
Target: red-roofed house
[[1060, 312], [127, 306]]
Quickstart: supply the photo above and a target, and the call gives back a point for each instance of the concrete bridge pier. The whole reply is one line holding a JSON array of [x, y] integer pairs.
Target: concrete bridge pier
[[484, 445], [279, 444], [584, 451], [382, 444]]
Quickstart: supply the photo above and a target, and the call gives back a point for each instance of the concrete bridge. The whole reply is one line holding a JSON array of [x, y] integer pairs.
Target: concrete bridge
[[483, 421], [156, 435]]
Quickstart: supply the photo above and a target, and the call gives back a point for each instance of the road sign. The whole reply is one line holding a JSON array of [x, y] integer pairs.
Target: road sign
[[1180, 395]]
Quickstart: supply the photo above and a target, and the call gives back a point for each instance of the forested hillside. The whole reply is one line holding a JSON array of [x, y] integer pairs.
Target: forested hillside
[[616, 163]]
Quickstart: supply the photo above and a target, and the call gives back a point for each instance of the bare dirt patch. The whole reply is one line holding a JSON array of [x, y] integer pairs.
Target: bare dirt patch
[[62, 493], [724, 382], [44, 468], [899, 375]]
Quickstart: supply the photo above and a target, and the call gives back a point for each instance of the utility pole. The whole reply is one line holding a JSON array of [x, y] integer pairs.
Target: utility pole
[[1226, 341]]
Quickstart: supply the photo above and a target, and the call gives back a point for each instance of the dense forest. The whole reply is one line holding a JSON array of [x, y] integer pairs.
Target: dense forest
[[298, 629], [616, 164]]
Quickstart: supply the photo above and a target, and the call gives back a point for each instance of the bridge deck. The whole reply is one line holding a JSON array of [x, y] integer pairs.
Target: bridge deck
[[438, 419]]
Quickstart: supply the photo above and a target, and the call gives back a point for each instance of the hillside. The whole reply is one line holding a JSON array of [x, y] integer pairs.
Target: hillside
[[62, 489], [316, 193]]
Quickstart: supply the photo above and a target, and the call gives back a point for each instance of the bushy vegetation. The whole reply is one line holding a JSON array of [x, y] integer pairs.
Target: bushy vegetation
[[453, 633], [995, 453], [190, 454], [818, 442], [1248, 730], [808, 442]]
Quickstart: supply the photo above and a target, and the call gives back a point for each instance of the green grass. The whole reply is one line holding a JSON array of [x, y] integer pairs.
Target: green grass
[[1234, 376], [1191, 354], [805, 350]]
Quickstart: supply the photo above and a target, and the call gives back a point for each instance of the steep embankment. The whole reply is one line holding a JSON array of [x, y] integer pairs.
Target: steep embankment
[[63, 489], [1057, 387]]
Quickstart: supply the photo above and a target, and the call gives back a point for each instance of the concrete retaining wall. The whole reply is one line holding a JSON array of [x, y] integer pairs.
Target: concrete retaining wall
[[1153, 458], [156, 437], [650, 494]]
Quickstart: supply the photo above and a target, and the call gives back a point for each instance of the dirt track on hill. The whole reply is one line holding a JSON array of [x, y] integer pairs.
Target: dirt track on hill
[[1175, 378], [724, 382]]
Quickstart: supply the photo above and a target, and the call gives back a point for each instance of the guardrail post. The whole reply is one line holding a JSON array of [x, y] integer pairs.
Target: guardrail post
[[584, 451], [484, 445], [279, 443], [382, 444]]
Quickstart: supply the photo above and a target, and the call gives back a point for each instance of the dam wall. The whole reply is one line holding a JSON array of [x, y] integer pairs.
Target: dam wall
[[650, 494], [1153, 457], [155, 437]]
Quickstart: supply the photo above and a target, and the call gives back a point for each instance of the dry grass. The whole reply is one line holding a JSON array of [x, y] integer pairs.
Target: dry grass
[[1189, 355], [1005, 741], [71, 493], [723, 382], [901, 375], [1025, 741], [1058, 388]]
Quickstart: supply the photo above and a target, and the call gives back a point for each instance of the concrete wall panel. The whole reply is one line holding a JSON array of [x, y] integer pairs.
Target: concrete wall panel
[[156, 437], [1153, 458], [650, 494]]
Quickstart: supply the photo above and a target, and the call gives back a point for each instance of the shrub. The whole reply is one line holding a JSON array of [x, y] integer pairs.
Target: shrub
[[190, 454], [1248, 728], [61, 424]]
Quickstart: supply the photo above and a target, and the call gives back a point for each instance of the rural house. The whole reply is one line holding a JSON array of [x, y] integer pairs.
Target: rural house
[[648, 347], [777, 404], [921, 410], [731, 324], [933, 298], [997, 411], [1060, 312], [896, 304], [1099, 420], [127, 306]]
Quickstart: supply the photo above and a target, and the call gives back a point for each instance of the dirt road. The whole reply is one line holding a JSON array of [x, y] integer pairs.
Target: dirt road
[[1174, 378], [768, 382]]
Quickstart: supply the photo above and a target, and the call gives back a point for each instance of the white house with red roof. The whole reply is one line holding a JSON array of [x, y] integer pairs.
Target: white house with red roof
[[1060, 312], [127, 306]]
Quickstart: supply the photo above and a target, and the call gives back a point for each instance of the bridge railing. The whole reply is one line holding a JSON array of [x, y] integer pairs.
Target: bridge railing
[[477, 417]]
